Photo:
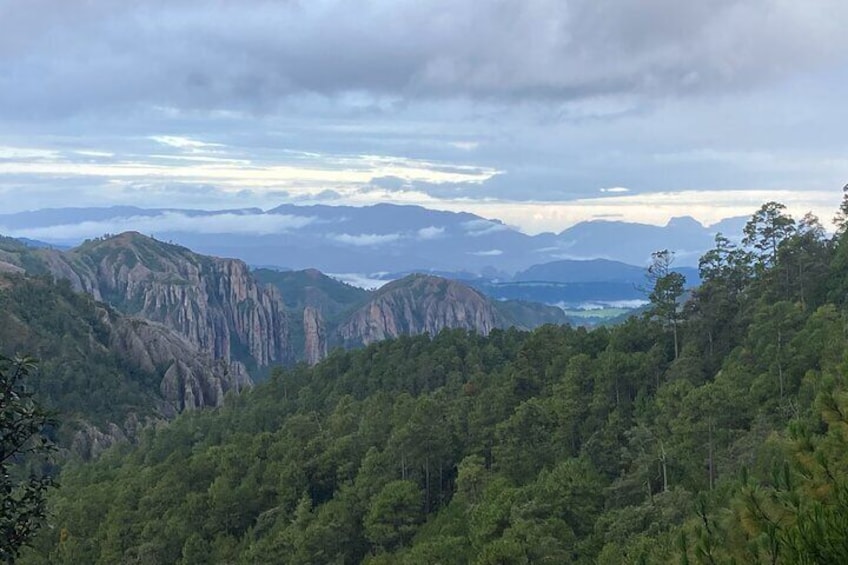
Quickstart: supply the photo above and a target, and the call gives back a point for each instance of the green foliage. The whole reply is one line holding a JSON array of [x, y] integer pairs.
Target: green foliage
[[312, 288], [81, 375], [767, 230], [841, 217], [24, 480], [394, 514], [707, 432], [665, 292]]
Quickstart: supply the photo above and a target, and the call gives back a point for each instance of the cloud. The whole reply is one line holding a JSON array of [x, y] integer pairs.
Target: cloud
[[472, 187], [28, 153], [365, 239], [261, 101], [488, 253], [183, 142], [91, 153], [359, 103], [254, 55], [169, 222], [327, 195], [359, 280], [390, 183], [430, 232], [476, 228], [356, 171]]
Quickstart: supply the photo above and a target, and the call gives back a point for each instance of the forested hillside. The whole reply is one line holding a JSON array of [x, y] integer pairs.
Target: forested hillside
[[103, 374], [714, 432]]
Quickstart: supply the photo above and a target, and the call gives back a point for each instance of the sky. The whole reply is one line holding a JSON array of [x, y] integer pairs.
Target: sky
[[540, 113]]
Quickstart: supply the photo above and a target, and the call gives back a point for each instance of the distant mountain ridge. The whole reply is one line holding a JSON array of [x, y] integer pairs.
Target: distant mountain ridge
[[382, 237], [592, 270], [569, 283]]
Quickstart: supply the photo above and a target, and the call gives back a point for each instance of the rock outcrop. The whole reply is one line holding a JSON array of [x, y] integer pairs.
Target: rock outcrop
[[214, 303], [190, 378], [102, 371], [315, 335], [415, 305], [90, 441], [251, 320]]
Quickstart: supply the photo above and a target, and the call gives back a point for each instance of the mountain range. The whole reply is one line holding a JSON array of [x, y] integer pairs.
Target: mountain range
[[370, 239], [166, 329], [253, 320], [172, 329], [568, 283]]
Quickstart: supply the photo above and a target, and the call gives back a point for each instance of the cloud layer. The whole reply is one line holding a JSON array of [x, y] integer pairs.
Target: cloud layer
[[542, 113], [253, 55], [223, 223]]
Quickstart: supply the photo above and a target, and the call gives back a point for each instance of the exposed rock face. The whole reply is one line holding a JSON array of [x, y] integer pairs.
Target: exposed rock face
[[190, 378], [59, 265], [419, 304], [212, 302], [103, 370], [223, 309], [89, 441], [315, 336]]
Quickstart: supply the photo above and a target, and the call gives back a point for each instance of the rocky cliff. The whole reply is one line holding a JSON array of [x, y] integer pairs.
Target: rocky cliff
[[190, 378], [418, 304], [315, 342], [319, 302], [103, 372], [264, 317], [214, 303], [335, 314]]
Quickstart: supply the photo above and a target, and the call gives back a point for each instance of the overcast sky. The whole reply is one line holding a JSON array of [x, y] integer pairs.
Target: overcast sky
[[538, 112]]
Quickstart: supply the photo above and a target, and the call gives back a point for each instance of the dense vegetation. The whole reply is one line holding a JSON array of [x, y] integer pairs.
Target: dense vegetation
[[312, 288], [81, 375], [712, 433], [24, 467]]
